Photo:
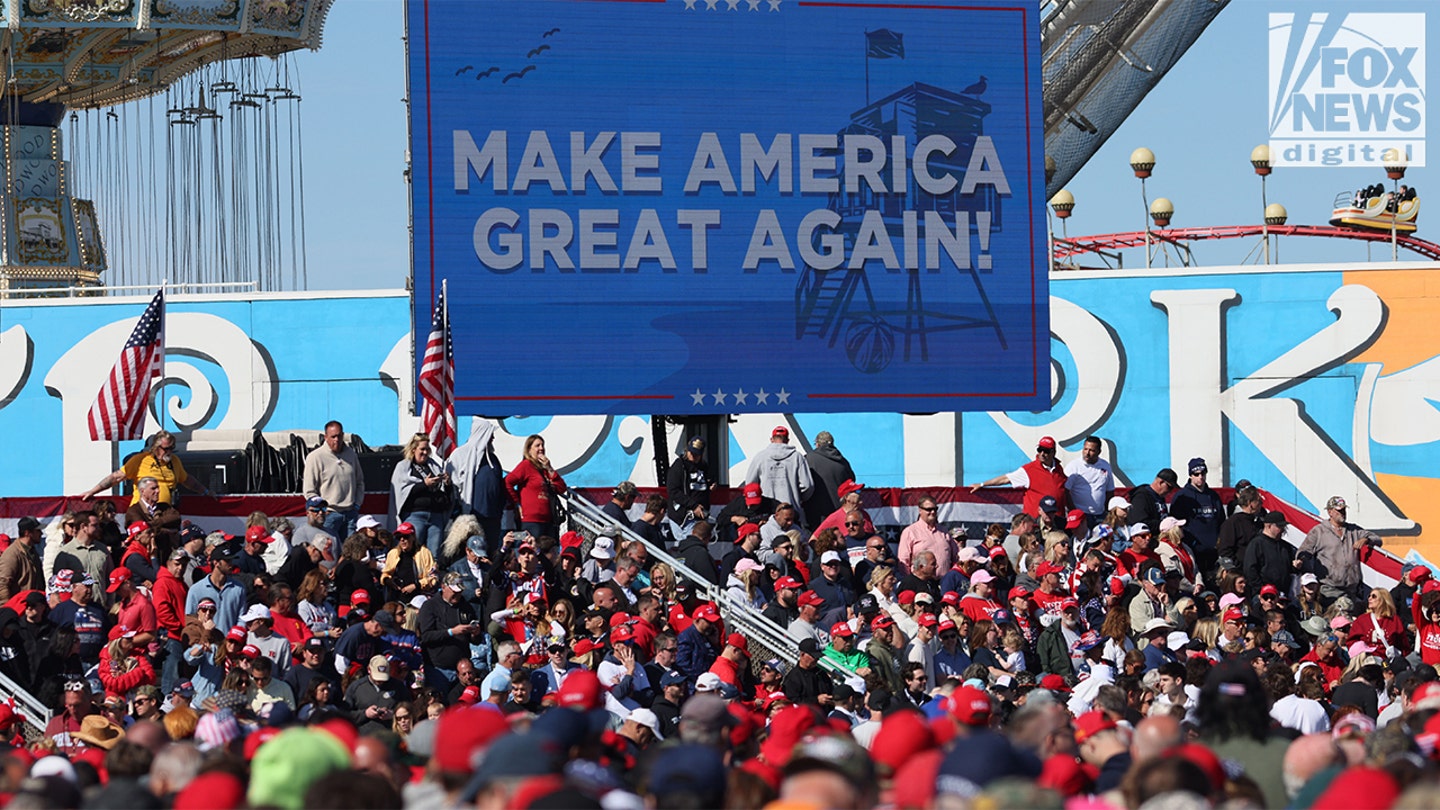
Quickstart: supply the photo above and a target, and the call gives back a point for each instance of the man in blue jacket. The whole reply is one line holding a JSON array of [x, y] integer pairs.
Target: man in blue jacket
[[697, 645]]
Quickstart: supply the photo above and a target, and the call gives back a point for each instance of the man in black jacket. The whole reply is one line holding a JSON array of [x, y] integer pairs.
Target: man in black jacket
[[447, 627], [694, 551], [807, 683], [688, 486], [1270, 559], [1241, 527], [829, 468], [1147, 502]]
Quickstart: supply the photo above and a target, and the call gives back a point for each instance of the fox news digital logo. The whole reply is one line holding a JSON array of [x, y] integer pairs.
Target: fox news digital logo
[[1346, 87]]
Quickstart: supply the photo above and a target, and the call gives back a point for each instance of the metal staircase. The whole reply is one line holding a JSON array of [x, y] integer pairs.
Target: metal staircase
[[37, 715], [766, 639]]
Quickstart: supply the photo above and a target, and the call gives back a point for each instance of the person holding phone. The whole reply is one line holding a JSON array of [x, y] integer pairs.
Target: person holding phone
[[534, 486], [421, 490]]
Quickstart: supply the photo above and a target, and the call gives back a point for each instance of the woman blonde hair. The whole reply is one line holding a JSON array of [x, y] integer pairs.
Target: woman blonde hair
[[877, 576], [568, 622], [1208, 631], [1385, 608], [1174, 535], [415, 441], [666, 592], [530, 442]]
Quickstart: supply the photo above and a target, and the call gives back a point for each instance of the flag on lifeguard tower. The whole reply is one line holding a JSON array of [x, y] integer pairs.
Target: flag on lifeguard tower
[[118, 413], [883, 43], [437, 382]]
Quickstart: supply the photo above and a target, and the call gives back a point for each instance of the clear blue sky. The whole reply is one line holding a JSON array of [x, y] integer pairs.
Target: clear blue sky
[[1201, 122]]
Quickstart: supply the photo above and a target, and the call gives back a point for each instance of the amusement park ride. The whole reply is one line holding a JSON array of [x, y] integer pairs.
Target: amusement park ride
[[64, 56]]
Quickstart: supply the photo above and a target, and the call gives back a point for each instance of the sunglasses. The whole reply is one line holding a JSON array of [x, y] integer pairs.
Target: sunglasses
[[853, 523], [929, 509], [77, 686]]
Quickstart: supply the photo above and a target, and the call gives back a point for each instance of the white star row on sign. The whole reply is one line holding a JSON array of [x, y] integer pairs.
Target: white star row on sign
[[741, 397], [732, 5]]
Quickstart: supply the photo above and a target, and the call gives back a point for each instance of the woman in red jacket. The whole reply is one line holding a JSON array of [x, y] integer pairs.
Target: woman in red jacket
[[534, 486], [1380, 625], [121, 670]]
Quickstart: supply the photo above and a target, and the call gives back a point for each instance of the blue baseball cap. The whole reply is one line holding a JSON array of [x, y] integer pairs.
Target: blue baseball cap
[[315, 504]]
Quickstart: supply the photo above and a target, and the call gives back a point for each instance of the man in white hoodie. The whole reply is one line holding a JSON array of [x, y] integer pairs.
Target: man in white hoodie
[[781, 470]]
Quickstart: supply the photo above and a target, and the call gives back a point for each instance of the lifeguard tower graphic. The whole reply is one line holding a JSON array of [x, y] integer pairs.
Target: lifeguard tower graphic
[[840, 302]]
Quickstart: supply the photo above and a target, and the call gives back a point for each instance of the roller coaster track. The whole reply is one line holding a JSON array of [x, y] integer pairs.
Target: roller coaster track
[[1067, 248]]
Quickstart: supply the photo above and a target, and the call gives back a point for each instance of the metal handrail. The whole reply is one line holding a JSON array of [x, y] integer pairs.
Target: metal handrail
[[739, 615], [36, 713]]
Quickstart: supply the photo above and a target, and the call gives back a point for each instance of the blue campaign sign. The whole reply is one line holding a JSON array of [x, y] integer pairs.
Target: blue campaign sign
[[723, 206]]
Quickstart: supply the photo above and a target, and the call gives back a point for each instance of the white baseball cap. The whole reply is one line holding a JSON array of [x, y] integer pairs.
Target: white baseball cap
[[367, 522], [830, 556], [1117, 502], [647, 718], [708, 682]]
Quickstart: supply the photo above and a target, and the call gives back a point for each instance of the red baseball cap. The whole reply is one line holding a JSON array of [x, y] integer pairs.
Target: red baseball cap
[[618, 618], [136, 528], [708, 613], [1046, 443], [746, 530], [1074, 518], [1091, 723], [238, 633], [471, 694], [404, 528], [739, 642], [1419, 574], [906, 598], [360, 596], [571, 540], [780, 431], [927, 620], [258, 534], [1234, 615], [902, 735], [970, 706], [943, 625], [462, 731], [811, 598], [1269, 590], [580, 690], [841, 629], [1054, 683], [787, 583], [950, 598], [1018, 592], [622, 633], [848, 486], [250, 651], [118, 577], [585, 646], [880, 622], [1069, 604], [1048, 567], [752, 494]]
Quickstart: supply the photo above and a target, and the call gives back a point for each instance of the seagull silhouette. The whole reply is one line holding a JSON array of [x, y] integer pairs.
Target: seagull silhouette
[[482, 74], [518, 74], [976, 89], [550, 32], [465, 69], [534, 52]]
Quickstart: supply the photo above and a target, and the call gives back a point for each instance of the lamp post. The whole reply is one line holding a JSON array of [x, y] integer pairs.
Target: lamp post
[[1161, 211], [1260, 159], [1394, 162], [1062, 204], [1142, 162], [1275, 214]]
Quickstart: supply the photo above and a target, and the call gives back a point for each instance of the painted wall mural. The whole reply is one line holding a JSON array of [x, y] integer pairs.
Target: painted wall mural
[[1311, 381]]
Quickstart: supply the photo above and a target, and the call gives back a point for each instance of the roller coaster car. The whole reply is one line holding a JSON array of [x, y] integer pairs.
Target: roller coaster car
[[1371, 214]]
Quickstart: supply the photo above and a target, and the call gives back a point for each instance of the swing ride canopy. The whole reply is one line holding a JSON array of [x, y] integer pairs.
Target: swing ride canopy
[[94, 53]]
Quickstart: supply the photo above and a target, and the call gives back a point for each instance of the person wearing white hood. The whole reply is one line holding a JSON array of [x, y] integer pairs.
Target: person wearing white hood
[[781, 470], [479, 482]]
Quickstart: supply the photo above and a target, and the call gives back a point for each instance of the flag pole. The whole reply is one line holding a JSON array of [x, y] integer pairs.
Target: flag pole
[[160, 412]]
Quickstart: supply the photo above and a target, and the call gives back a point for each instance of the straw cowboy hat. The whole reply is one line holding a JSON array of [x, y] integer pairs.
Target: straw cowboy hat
[[99, 732]]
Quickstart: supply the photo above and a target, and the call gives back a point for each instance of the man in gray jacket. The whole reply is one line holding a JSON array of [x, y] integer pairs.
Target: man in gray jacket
[[1333, 551], [781, 470]]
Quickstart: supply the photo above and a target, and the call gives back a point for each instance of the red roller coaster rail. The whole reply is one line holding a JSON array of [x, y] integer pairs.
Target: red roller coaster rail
[[1066, 248]]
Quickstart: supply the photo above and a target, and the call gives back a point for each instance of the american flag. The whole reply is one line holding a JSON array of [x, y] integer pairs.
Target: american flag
[[437, 382], [118, 412]]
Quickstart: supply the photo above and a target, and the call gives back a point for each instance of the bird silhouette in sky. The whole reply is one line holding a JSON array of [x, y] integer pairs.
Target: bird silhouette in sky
[[551, 32], [534, 52], [482, 74], [465, 69], [976, 89], [518, 74]]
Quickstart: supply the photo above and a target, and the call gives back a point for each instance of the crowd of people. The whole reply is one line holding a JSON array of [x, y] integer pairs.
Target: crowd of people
[[1169, 647]]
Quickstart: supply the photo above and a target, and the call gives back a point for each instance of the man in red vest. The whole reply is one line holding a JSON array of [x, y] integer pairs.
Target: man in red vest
[[1039, 478]]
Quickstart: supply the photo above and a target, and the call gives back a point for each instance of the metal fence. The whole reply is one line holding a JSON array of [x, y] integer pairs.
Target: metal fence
[[37, 714], [765, 639]]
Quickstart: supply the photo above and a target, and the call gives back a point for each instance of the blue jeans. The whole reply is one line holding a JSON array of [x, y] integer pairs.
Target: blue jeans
[[170, 672], [429, 530], [340, 525]]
